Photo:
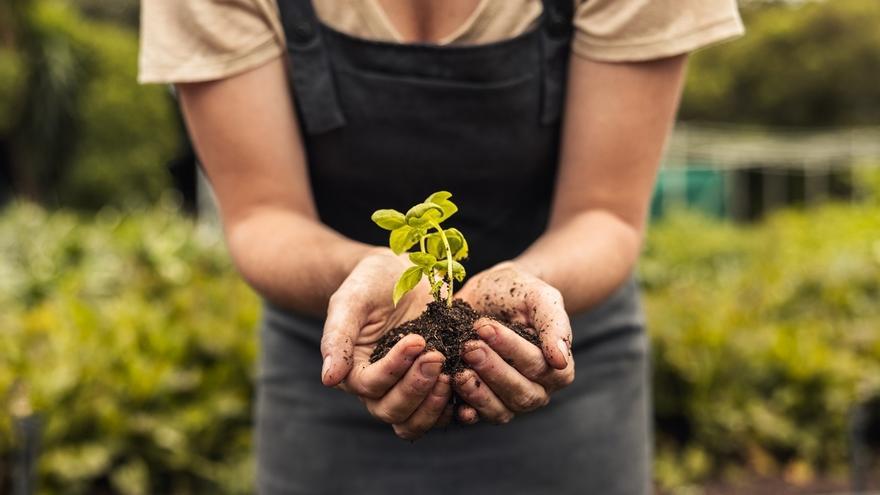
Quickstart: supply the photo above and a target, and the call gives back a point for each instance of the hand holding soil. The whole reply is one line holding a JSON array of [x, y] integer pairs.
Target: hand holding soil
[[515, 313], [405, 388], [509, 374]]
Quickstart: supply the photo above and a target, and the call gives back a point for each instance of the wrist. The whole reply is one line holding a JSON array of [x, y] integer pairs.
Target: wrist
[[523, 265], [384, 253]]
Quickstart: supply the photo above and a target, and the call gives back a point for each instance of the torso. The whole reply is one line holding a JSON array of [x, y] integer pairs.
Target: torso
[[384, 125]]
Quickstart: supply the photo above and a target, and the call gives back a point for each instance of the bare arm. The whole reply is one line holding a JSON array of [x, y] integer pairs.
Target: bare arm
[[617, 120], [246, 134]]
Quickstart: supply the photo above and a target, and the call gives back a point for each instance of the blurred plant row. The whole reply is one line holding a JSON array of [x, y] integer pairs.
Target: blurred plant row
[[765, 339], [133, 339]]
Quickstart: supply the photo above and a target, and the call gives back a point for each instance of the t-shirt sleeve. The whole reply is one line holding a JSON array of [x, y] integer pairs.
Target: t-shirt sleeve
[[189, 41], [634, 30]]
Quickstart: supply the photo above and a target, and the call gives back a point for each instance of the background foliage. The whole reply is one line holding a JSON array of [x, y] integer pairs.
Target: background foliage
[[76, 128], [130, 335], [803, 63], [133, 337]]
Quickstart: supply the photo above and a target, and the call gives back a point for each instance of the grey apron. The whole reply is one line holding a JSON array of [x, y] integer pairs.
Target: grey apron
[[384, 125]]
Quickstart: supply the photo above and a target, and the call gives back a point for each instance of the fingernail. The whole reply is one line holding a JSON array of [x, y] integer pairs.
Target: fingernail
[[475, 356], [412, 351], [487, 332], [563, 348], [430, 370], [325, 368]]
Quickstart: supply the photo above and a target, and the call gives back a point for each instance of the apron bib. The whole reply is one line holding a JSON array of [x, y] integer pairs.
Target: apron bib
[[384, 125]]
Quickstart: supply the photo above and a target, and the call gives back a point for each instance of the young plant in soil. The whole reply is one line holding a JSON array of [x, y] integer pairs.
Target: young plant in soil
[[447, 323]]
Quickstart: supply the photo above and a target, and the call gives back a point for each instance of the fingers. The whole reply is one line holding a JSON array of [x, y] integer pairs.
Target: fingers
[[551, 322], [467, 415], [429, 412], [406, 395], [523, 356], [446, 417], [518, 393], [519, 352], [344, 320], [476, 393], [374, 380]]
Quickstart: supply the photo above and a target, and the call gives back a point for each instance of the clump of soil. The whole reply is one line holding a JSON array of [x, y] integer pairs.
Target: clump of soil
[[446, 329]]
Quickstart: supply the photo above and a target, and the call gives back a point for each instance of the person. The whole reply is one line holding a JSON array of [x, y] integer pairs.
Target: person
[[545, 119]]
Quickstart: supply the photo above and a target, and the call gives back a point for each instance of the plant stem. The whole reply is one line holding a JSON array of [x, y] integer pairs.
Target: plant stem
[[436, 295], [448, 262]]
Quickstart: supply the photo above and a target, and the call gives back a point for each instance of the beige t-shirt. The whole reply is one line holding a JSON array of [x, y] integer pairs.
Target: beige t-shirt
[[199, 40]]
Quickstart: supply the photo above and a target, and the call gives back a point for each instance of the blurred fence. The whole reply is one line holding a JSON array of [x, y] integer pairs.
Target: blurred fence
[[744, 172]]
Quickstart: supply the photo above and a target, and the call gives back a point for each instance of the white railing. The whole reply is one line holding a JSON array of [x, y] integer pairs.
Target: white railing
[[725, 146]]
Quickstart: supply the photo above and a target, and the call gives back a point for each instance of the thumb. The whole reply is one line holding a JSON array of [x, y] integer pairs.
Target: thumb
[[341, 328]]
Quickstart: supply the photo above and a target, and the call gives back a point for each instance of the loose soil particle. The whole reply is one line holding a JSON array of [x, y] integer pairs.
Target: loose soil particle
[[446, 329]]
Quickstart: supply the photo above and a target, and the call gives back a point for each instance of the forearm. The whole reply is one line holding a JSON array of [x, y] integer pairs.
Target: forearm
[[585, 257], [617, 119], [292, 260], [245, 131]]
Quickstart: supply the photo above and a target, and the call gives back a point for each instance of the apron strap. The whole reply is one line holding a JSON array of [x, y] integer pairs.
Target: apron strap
[[556, 31], [309, 67]]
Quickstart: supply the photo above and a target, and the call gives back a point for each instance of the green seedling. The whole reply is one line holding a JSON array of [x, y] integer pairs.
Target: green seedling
[[440, 250]]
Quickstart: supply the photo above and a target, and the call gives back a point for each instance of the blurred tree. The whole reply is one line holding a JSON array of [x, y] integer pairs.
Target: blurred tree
[[42, 79], [78, 130], [800, 64]]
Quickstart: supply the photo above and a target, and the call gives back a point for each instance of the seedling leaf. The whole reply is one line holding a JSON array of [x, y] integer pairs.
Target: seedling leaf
[[402, 238], [422, 214], [389, 219], [410, 278], [458, 244], [423, 260], [457, 269], [438, 252], [441, 199]]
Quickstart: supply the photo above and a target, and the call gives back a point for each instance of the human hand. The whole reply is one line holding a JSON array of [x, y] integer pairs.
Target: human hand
[[405, 388], [519, 376]]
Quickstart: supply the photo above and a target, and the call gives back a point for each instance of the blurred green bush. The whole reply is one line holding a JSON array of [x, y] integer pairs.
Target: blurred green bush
[[765, 337], [133, 338]]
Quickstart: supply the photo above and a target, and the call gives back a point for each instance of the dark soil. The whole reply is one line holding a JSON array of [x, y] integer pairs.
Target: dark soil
[[446, 330]]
